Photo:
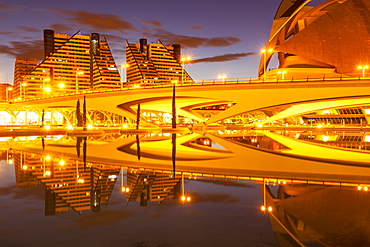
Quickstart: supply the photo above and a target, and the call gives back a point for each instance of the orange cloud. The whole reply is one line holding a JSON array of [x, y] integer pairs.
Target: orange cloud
[[106, 22], [224, 58], [191, 41]]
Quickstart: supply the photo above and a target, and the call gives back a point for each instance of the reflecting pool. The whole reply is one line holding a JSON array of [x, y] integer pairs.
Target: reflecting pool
[[217, 188]]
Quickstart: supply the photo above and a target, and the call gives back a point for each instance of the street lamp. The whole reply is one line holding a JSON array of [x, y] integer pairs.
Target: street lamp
[[184, 198], [264, 52], [282, 73], [183, 60], [78, 73], [47, 90], [124, 66], [7, 92], [222, 77], [363, 68], [24, 84], [61, 86], [43, 85]]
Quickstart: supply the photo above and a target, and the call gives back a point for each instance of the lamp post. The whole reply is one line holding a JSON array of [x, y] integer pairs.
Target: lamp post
[[363, 68], [47, 90], [123, 67], [282, 73], [183, 60], [78, 73], [222, 77], [7, 93], [43, 85], [23, 85], [264, 52], [61, 86]]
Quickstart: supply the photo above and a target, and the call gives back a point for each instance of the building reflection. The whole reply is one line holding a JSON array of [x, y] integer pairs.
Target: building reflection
[[154, 186], [314, 215], [302, 213], [68, 184]]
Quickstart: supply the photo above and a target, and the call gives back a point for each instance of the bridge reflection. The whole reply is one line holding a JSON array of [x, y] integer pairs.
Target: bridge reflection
[[315, 197], [75, 181]]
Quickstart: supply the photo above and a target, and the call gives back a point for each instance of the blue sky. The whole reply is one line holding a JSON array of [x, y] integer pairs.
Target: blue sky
[[224, 36]]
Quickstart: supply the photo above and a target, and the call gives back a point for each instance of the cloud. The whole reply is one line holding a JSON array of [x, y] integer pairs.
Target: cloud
[[61, 28], [27, 29], [152, 23], [223, 58], [103, 22], [33, 49], [7, 8], [190, 41], [196, 27]]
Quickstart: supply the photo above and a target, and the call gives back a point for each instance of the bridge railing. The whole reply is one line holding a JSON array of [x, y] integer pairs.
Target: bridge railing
[[227, 81]]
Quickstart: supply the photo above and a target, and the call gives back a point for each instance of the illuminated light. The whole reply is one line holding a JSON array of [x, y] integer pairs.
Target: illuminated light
[[112, 176], [10, 162], [367, 111], [365, 188], [185, 59], [166, 134], [127, 189], [325, 111], [61, 85], [62, 162], [136, 86], [260, 125], [367, 139], [125, 126], [47, 127], [183, 198], [284, 182], [319, 126], [175, 82], [188, 198], [70, 127], [47, 173], [363, 68], [269, 208], [89, 126], [263, 208], [81, 180], [47, 89], [47, 157], [282, 73], [359, 188], [325, 138], [24, 167]]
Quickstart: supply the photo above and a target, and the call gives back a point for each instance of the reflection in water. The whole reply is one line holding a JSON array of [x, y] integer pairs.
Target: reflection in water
[[315, 191], [304, 215], [68, 185]]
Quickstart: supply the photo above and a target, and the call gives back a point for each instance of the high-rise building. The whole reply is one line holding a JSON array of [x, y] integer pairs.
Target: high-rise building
[[71, 64], [155, 63], [5, 91], [22, 67]]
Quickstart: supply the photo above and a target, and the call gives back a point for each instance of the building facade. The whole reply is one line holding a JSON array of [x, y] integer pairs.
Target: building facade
[[22, 67], [71, 64], [155, 63], [329, 40]]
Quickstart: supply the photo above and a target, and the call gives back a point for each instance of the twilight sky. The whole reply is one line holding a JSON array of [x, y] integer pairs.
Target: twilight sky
[[222, 37]]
